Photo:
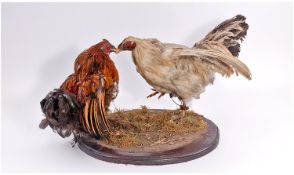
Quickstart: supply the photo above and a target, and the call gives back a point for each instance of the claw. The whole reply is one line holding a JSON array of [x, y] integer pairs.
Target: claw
[[184, 107], [161, 94], [151, 95]]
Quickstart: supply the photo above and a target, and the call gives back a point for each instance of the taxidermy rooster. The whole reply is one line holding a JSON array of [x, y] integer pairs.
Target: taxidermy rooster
[[84, 97], [185, 72]]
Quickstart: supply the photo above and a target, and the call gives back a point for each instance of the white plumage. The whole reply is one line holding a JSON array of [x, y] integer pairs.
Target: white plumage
[[185, 72]]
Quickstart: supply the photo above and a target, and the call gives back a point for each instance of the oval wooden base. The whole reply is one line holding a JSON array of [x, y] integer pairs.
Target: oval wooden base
[[198, 148]]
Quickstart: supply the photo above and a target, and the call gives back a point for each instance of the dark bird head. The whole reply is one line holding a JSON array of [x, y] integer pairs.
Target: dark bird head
[[128, 43], [61, 111]]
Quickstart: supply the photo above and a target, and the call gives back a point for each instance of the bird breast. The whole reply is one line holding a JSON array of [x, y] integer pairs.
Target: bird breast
[[152, 68], [181, 78]]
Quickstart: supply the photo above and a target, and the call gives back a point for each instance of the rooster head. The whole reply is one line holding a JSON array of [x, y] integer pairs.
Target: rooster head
[[106, 47], [128, 43]]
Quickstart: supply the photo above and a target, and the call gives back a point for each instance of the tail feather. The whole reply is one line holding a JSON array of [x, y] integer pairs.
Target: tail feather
[[220, 54], [86, 116], [229, 33], [218, 58], [237, 65], [96, 119], [93, 118], [102, 110]]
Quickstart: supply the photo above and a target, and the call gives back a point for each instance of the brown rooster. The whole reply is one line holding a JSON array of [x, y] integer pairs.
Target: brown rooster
[[185, 72], [85, 95]]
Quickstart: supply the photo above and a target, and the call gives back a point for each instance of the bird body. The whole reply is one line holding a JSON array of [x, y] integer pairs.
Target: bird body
[[162, 68], [185, 72], [92, 86], [94, 82]]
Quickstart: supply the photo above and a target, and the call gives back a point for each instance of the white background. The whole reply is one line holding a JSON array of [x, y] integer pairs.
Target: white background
[[41, 41]]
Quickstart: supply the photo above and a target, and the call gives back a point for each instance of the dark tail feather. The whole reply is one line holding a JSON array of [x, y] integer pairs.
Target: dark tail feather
[[230, 33]]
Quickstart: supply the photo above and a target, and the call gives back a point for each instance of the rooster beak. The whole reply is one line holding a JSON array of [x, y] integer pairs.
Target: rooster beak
[[113, 50], [117, 50]]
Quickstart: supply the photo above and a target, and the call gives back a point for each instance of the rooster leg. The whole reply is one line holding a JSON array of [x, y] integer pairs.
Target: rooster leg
[[184, 108]]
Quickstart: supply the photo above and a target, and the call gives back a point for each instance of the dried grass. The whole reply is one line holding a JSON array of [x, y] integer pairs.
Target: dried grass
[[145, 127]]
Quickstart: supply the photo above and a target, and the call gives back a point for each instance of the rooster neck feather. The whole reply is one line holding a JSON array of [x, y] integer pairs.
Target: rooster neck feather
[[149, 63], [147, 55]]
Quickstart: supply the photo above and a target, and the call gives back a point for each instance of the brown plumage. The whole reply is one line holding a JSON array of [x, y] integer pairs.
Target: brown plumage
[[93, 85], [94, 82], [185, 72]]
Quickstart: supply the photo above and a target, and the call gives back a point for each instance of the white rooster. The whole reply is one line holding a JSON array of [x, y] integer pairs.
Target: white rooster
[[185, 72]]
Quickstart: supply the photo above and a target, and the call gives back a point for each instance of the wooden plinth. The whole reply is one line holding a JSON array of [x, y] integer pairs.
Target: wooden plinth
[[201, 146]]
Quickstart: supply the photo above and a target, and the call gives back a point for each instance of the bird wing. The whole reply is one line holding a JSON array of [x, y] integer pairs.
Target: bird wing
[[172, 45], [81, 60], [215, 56], [111, 81], [229, 33], [70, 84], [164, 46]]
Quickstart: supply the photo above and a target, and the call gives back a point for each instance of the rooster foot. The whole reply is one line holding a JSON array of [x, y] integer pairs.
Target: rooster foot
[[161, 94], [155, 93], [152, 94], [184, 108]]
